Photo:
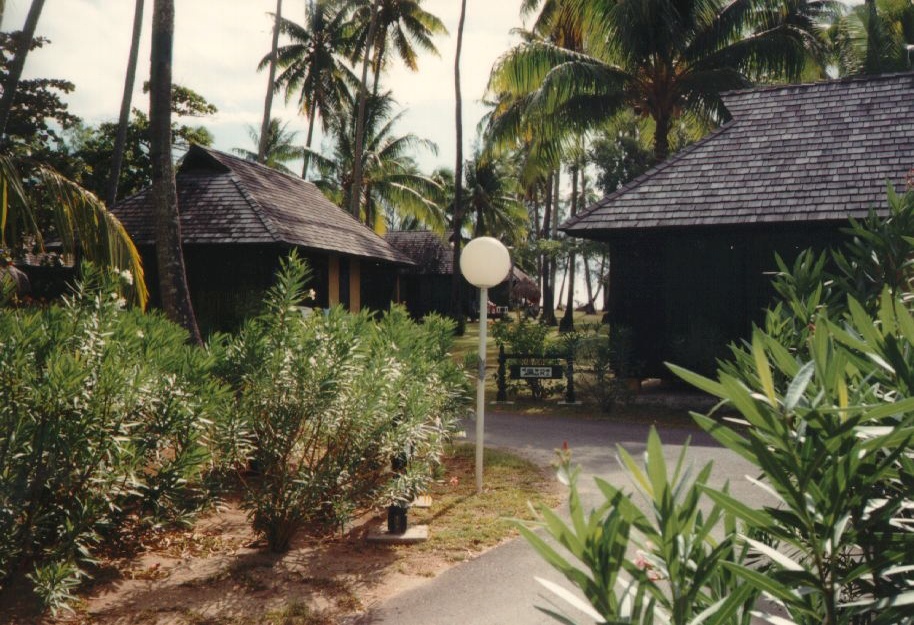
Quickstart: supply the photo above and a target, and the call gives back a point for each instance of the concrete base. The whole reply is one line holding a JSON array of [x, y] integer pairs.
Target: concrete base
[[414, 534], [422, 501]]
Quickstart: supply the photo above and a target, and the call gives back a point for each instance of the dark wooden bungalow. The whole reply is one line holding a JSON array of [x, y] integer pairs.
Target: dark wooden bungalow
[[238, 218], [693, 240], [425, 287]]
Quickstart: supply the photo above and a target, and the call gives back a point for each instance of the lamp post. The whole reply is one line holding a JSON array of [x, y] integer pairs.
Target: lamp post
[[485, 262]]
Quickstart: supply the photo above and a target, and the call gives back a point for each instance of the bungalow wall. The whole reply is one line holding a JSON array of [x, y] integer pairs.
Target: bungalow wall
[[687, 294], [228, 283]]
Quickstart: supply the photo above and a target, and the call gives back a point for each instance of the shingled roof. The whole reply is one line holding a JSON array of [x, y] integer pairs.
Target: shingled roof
[[228, 200], [431, 253], [811, 152]]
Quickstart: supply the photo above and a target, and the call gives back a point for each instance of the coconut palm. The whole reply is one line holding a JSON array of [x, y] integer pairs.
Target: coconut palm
[[456, 225], [663, 58], [874, 37], [278, 148], [375, 24], [173, 288], [271, 87], [120, 141], [402, 25], [78, 218], [392, 184], [22, 49], [313, 66]]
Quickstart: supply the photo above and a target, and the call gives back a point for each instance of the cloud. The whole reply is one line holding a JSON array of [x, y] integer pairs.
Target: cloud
[[218, 45]]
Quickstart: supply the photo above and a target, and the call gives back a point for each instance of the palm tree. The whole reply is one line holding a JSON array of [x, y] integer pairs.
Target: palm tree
[[494, 201], [664, 58], [456, 307], [402, 25], [22, 50], [268, 100], [361, 105], [120, 141], [873, 38], [278, 148], [393, 184], [313, 66], [174, 291], [79, 218], [375, 24]]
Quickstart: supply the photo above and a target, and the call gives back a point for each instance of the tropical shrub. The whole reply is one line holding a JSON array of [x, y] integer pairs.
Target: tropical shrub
[[680, 572], [824, 403], [104, 419], [328, 401]]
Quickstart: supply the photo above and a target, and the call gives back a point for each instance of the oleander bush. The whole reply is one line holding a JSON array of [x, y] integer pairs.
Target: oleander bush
[[821, 401], [326, 402], [105, 414]]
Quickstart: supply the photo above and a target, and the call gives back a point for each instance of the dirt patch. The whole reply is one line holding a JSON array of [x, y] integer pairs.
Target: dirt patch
[[217, 573]]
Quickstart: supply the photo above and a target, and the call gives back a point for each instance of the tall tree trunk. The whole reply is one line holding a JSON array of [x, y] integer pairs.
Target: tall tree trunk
[[567, 324], [22, 51], [2, 11], [117, 157], [588, 283], [548, 313], [456, 278], [307, 155], [268, 100], [661, 137], [356, 191], [172, 276]]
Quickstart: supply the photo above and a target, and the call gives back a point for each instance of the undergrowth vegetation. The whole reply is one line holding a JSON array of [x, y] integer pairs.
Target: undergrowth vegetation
[[111, 424]]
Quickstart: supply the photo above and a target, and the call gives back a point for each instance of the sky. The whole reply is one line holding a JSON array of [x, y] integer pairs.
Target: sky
[[218, 44]]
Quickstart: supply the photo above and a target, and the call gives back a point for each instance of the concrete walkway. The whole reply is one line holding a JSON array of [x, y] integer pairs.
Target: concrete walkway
[[498, 588]]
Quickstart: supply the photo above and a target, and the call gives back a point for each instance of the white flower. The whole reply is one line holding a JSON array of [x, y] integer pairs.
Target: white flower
[[127, 276]]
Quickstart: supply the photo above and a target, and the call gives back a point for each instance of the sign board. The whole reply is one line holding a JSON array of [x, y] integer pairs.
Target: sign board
[[537, 372]]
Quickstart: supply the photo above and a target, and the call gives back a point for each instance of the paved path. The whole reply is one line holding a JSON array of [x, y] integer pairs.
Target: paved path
[[498, 587]]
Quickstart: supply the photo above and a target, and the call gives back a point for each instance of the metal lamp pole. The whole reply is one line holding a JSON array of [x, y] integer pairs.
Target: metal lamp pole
[[485, 262], [481, 383]]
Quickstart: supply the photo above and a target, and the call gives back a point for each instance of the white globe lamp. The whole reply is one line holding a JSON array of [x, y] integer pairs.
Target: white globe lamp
[[485, 262]]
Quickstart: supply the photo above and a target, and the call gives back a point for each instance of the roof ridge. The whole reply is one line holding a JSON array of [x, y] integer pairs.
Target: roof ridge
[[820, 83], [256, 207], [650, 173], [245, 161]]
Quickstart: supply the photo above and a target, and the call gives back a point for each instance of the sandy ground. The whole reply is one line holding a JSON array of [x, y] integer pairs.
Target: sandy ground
[[216, 573]]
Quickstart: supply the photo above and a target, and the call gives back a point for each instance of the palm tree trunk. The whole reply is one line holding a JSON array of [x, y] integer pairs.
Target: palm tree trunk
[[456, 300], [174, 293], [307, 155], [117, 157], [567, 324], [548, 313], [355, 194], [2, 11], [268, 100], [22, 50], [661, 138]]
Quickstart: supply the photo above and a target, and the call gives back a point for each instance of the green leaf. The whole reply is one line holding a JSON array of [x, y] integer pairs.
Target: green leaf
[[764, 583], [798, 386], [773, 554], [698, 381], [570, 598], [763, 368]]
